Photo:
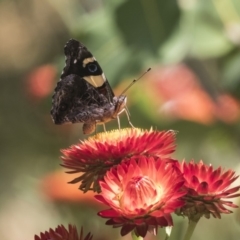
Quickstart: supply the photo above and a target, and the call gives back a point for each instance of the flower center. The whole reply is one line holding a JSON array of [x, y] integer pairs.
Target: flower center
[[140, 192]]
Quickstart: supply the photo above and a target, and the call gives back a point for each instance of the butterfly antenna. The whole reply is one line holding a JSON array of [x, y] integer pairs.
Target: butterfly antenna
[[134, 81], [125, 108]]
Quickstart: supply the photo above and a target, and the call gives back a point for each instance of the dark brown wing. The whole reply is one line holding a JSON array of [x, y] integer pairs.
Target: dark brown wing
[[83, 93], [76, 54], [73, 95]]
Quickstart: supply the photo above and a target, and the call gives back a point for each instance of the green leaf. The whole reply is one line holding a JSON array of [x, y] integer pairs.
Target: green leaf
[[145, 25], [197, 37], [231, 74]]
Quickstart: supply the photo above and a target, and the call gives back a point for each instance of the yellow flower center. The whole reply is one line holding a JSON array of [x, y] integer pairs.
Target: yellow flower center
[[115, 135]]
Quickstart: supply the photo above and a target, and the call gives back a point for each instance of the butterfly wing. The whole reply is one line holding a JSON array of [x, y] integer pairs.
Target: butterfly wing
[[81, 62], [73, 98], [83, 93], [82, 86]]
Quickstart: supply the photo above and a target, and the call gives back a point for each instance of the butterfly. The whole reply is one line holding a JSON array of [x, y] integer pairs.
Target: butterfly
[[83, 93]]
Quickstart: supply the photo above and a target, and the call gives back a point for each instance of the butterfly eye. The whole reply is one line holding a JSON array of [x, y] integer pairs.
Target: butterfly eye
[[92, 67]]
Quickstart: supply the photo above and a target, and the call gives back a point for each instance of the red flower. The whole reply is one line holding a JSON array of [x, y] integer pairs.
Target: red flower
[[61, 233], [141, 194], [93, 157], [208, 190]]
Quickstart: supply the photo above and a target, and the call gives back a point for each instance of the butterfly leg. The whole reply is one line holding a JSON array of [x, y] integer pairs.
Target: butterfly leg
[[95, 128], [104, 127], [118, 120], [128, 117]]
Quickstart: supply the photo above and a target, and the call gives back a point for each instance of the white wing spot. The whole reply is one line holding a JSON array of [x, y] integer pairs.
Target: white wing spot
[[104, 77], [75, 61]]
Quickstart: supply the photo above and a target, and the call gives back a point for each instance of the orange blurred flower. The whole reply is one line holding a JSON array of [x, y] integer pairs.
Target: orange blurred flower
[[40, 82], [141, 194], [227, 108], [94, 156], [61, 233], [55, 186], [179, 92], [207, 189]]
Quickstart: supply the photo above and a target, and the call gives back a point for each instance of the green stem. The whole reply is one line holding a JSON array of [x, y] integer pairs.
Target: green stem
[[134, 237], [190, 229]]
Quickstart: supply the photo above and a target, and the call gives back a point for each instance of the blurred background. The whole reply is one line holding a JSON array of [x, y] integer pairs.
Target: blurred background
[[192, 47]]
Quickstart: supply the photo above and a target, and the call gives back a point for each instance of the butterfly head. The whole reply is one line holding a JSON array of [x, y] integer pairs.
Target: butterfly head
[[120, 105]]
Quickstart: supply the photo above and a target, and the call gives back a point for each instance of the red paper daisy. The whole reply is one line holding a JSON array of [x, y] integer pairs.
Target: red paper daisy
[[141, 194], [61, 233], [208, 190], [94, 156]]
